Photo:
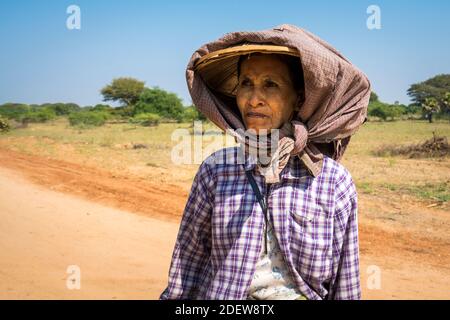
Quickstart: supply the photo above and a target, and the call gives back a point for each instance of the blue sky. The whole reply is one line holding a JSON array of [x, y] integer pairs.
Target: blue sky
[[42, 61]]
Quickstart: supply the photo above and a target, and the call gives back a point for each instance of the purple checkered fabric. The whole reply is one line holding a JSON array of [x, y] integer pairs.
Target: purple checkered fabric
[[221, 231]]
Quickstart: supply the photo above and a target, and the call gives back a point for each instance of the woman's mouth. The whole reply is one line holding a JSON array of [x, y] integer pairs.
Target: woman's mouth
[[253, 114]]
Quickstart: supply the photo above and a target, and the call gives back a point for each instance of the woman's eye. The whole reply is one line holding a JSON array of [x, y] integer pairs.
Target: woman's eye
[[271, 84], [245, 83]]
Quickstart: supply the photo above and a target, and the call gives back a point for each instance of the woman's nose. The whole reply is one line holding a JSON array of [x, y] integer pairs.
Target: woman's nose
[[256, 98]]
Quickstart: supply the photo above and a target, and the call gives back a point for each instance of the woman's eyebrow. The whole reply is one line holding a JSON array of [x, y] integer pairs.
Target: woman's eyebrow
[[277, 78], [243, 78], [245, 75]]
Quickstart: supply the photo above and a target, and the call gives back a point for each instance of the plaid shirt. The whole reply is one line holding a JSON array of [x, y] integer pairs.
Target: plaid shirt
[[221, 231]]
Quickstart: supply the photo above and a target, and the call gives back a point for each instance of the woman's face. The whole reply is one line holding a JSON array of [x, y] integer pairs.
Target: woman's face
[[265, 95]]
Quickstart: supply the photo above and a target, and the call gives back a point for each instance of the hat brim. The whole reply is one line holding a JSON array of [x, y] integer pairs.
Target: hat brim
[[218, 69]]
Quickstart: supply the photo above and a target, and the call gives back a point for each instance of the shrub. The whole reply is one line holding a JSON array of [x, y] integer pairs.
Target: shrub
[[146, 119], [124, 112], [14, 110], [442, 116], [41, 115], [25, 113], [378, 111], [165, 104], [4, 125], [191, 114], [60, 109], [431, 148], [384, 111], [88, 118], [413, 109], [102, 107]]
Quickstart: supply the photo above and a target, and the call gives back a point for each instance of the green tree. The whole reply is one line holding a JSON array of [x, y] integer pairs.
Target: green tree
[[430, 106], [4, 125], [60, 109], [378, 109], [435, 87], [14, 110], [191, 113], [166, 104], [123, 112], [102, 107], [446, 102], [386, 111], [39, 115], [124, 90], [413, 109], [373, 97]]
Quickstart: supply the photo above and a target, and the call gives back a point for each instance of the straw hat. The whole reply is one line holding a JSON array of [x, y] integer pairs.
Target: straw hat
[[218, 69]]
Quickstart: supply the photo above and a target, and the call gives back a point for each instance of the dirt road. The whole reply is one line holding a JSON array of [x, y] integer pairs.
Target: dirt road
[[42, 232], [120, 232]]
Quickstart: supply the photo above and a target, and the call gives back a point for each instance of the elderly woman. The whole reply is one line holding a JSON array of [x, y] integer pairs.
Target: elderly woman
[[264, 221]]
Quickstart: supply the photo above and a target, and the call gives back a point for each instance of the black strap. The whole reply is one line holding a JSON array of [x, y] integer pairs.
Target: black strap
[[261, 200]]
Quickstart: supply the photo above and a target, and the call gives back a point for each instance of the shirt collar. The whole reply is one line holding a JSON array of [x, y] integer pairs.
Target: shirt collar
[[294, 169]]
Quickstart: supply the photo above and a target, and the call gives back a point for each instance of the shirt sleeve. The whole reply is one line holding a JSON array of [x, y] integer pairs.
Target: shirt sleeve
[[345, 284], [193, 244]]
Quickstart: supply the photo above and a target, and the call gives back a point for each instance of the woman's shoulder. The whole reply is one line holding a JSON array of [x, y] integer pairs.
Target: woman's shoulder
[[335, 169], [229, 157], [225, 156], [216, 164], [337, 174]]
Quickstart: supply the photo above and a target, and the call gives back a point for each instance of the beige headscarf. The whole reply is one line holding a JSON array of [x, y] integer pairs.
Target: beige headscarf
[[335, 104]]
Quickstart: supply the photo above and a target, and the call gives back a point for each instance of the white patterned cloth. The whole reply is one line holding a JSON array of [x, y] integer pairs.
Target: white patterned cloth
[[272, 280]]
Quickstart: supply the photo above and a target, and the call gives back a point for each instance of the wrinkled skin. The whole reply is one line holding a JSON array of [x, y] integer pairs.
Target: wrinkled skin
[[266, 96]]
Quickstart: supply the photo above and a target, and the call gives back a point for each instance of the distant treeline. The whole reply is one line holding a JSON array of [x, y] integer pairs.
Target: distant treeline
[[34, 113], [430, 98], [139, 104], [389, 112], [150, 106]]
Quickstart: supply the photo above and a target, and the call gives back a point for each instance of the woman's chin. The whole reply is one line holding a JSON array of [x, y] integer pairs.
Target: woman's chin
[[260, 126], [259, 129]]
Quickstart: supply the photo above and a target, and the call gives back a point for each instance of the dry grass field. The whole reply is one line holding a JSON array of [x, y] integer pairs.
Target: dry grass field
[[404, 216]]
